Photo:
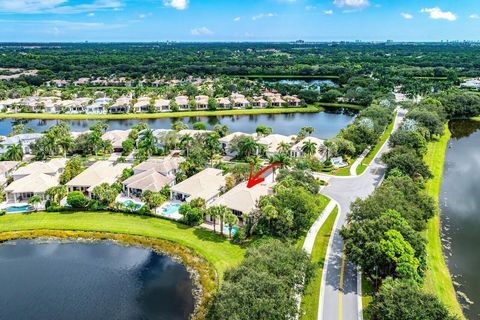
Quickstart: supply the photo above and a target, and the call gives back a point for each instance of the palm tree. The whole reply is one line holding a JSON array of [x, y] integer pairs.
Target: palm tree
[[223, 212], [34, 201], [57, 193], [247, 147], [232, 220], [14, 152], [283, 147], [214, 213], [95, 140], [186, 141], [309, 147], [212, 144], [65, 142], [148, 142]]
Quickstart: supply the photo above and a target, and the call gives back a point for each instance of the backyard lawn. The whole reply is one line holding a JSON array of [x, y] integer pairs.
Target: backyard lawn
[[219, 251]]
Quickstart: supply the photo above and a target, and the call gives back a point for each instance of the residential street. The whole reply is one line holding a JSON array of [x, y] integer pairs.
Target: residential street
[[339, 296]]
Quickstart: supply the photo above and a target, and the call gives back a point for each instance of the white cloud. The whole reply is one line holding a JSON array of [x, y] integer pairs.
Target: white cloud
[[357, 4], [263, 15], [310, 8], [63, 25], [91, 14], [328, 12], [176, 4], [237, 19], [56, 6], [407, 16], [437, 14], [202, 31], [474, 16]]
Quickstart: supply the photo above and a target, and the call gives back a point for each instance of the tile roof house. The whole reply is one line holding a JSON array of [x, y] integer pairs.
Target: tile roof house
[[117, 137], [146, 180], [223, 103], [182, 102], [207, 184], [272, 142], [6, 167], [122, 105], [98, 173], [296, 150], [25, 139], [167, 167], [34, 179], [226, 142], [242, 200], [142, 104], [162, 105], [239, 101], [201, 102]]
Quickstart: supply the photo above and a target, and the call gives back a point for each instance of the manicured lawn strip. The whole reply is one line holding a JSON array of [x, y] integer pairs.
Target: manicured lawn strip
[[310, 299], [378, 146], [476, 118], [367, 295], [342, 172], [341, 105], [217, 250], [438, 280], [180, 114]]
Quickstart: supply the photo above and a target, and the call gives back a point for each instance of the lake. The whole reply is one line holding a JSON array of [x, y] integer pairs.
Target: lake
[[327, 124], [98, 280], [460, 212]]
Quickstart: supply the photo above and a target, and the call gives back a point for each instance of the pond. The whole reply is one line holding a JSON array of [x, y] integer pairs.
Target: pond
[[327, 124], [460, 212], [83, 280]]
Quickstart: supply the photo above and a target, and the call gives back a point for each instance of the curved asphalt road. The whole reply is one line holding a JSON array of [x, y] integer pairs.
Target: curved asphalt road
[[339, 296]]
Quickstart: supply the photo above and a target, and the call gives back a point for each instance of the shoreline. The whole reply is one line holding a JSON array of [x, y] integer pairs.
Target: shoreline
[[438, 279], [201, 272], [141, 116]]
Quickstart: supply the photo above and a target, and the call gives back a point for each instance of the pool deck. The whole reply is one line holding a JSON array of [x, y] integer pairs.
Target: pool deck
[[173, 216]]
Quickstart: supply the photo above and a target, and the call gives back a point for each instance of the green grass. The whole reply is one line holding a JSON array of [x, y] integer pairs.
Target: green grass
[[180, 114], [475, 118], [438, 280], [367, 295], [310, 299], [324, 200], [342, 172], [366, 162], [217, 250]]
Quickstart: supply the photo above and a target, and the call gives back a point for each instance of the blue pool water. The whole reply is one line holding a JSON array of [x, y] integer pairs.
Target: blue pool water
[[171, 209], [225, 229], [129, 203], [19, 209]]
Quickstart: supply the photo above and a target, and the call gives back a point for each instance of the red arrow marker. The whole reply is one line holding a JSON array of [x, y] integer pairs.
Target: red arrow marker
[[253, 180]]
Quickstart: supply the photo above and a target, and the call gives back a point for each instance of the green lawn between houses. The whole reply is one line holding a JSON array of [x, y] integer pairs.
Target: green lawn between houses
[[216, 249], [310, 299], [139, 116], [438, 280]]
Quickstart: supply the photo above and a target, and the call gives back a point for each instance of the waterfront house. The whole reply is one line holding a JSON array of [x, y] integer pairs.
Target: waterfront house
[[24, 139], [9, 104], [239, 101], [142, 104], [277, 101], [226, 142], [259, 103], [242, 200], [98, 173], [98, 107], [193, 133], [297, 152], [182, 103], [81, 81], [116, 137], [271, 143], [201, 102], [223, 103], [162, 105], [122, 105], [293, 101], [34, 179], [207, 184], [150, 180]]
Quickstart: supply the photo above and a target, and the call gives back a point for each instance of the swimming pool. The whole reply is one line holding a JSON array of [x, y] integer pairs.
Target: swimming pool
[[129, 203], [171, 208], [19, 209], [226, 231]]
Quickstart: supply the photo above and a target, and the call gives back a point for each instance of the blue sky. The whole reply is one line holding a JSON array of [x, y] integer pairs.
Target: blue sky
[[238, 20]]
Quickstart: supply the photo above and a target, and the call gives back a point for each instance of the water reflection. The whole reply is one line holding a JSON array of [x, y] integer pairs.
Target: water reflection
[[90, 281], [460, 205]]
